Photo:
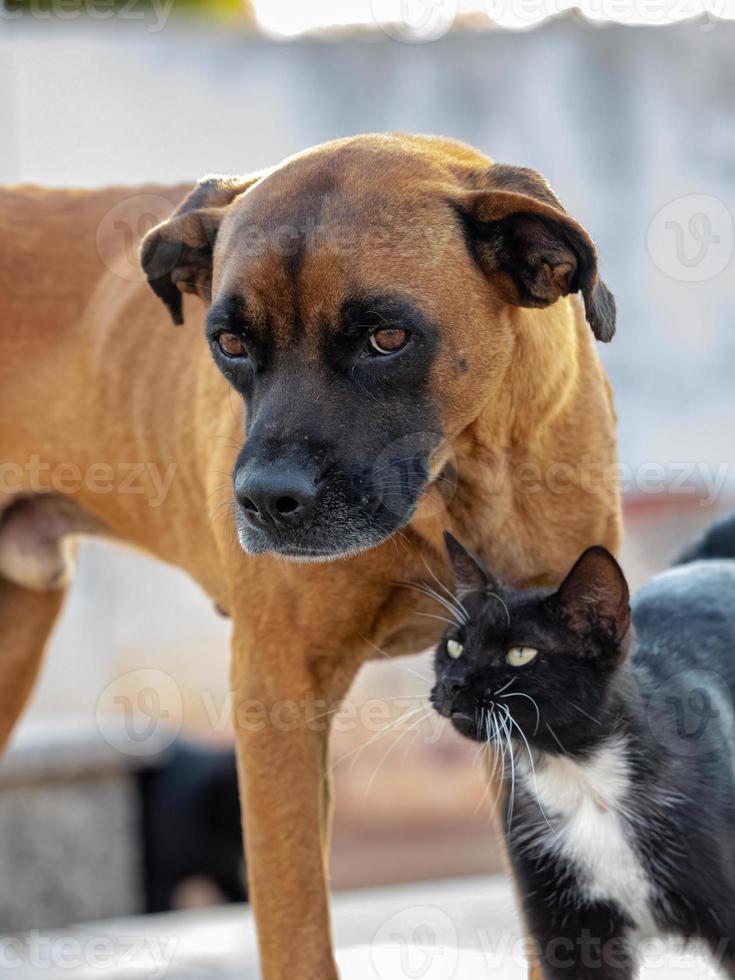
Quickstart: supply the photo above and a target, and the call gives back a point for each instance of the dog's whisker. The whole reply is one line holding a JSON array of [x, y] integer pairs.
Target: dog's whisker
[[222, 510], [219, 489], [394, 462]]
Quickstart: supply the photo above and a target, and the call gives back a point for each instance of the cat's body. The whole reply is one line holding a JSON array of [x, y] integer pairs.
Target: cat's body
[[621, 820], [190, 821]]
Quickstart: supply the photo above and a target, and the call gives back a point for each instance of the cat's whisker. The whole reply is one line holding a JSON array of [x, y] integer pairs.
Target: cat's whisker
[[458, 611], [416, 730], [411, 713], [460, 620], [325, 714], [556, 739], [533, 773], [500, 741], [391, 748], [505, 687], [502, 602], [520, 694], [508, 734], [442, 619], [400, 697], [481, 740], [452, 597], [489, 745], [585, 713], [421, 677]]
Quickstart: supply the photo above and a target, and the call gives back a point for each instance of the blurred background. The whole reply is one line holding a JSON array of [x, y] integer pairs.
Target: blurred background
[[626, 106]]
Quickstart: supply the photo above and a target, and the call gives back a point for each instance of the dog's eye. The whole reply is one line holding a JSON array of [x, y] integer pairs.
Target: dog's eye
[[387, 340], [520, 656], [455, 649], [231, 345]]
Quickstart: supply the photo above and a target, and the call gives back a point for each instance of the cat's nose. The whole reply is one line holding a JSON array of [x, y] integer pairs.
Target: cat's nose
[[452, 687]]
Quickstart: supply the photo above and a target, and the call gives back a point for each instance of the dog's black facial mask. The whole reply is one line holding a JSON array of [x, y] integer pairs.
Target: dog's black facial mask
[[340, 425], [303, 264]]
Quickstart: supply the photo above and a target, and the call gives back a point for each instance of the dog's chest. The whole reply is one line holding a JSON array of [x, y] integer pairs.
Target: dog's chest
[[584, 803]]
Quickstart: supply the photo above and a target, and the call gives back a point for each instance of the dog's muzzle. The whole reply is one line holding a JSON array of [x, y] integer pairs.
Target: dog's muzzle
[[287, 507]]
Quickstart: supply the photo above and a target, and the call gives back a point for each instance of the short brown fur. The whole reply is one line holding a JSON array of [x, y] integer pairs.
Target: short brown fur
[[93, 373]]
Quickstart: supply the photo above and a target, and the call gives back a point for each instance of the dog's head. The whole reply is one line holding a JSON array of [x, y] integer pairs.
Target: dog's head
[[358, 302]]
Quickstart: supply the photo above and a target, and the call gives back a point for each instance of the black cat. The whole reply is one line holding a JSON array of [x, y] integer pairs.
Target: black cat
[[618, 749], [191, 824]]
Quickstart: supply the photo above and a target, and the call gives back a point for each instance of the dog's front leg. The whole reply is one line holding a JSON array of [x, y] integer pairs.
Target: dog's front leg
[[283, 700]]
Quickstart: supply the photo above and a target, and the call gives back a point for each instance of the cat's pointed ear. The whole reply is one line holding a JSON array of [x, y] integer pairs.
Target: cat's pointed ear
[[595, 595], [470, 575]]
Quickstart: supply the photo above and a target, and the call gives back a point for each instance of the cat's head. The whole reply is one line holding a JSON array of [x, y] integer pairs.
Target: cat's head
[[537, 658]]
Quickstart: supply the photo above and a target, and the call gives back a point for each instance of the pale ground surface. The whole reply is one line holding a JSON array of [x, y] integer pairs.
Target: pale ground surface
[[466, 928]]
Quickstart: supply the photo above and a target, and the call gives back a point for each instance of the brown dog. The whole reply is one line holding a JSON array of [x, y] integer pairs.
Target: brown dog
[[391, 314]]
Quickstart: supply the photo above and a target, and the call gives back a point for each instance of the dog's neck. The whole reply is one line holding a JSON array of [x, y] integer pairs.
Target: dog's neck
[[527, 436]]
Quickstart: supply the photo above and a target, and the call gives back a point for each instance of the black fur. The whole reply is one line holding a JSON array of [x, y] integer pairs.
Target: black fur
[[717, 541], [191, 825], [668, 701], [367, 447]]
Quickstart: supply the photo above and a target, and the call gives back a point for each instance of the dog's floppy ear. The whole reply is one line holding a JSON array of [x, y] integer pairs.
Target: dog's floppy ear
[[176, 255], [529, 246]]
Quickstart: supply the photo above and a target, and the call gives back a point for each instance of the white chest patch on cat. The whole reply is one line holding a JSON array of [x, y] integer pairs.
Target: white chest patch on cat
[[584, 802]]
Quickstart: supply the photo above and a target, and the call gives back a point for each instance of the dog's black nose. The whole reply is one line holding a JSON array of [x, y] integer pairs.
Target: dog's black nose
[[278, 496]]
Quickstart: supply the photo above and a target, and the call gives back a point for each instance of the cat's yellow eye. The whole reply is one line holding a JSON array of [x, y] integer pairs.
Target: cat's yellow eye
[[520, 656], [454, 649]]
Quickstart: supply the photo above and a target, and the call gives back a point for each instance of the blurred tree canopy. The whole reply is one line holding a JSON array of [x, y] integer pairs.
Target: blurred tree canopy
[[233, 10]]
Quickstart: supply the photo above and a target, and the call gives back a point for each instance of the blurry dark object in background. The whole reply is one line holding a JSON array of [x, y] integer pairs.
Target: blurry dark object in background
[[191, 825], [717, 541]]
